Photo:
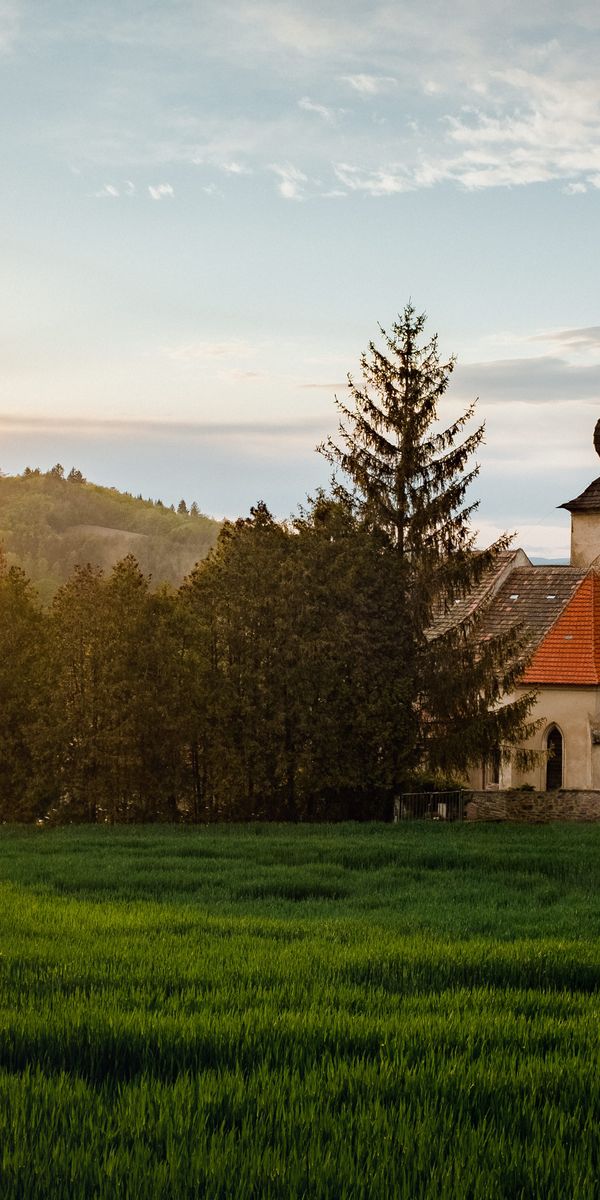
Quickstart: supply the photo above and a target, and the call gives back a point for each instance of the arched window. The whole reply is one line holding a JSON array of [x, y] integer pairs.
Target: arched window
[[554, 763]]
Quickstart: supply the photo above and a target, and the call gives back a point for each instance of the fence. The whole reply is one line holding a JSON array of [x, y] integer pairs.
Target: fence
[[430, 806]]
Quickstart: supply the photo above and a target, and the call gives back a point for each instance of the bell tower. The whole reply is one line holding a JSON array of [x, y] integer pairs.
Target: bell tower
[[585, 519]]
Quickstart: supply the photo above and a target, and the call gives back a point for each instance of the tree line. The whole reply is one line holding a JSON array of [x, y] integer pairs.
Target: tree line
[[292, 675]]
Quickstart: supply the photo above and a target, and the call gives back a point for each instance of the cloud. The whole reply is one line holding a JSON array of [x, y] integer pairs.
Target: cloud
[[432, 88], [281, 25], [159, 190], [299, 428], [291, 181], [584, 339], [109, 189], [541, 380], [382, 181], [370, 85], [235, 168], [541, 126], [9, 25], [327, 114], [452, 110]]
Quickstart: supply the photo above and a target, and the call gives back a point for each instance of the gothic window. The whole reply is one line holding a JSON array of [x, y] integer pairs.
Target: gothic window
[[554, 763], [491, 770]]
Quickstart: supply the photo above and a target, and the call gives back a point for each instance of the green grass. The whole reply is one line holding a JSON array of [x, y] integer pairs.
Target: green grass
[[300, 1012]]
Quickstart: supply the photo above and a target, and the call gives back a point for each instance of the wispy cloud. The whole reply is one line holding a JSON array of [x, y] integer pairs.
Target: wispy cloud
[[159, 190], [321, 110], [291, 181], [109, 190], [382, 181], [545, 126], [370, 85], [291, 27], [9, 25], [446, 108], [298, 428], [235, 168]]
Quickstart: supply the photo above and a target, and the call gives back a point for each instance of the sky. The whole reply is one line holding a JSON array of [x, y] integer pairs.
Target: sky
[[207, 210]]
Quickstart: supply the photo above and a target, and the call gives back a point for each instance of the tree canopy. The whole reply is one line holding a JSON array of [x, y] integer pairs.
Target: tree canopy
[[295, 672]]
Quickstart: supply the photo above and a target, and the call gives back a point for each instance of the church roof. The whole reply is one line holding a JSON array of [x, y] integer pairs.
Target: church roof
[[588, 501], [570, 651], [514, 592], [533, 597], [557, 608], [466, 607]]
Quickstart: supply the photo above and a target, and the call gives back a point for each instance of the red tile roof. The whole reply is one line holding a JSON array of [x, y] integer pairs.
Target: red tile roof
[[570, 651]]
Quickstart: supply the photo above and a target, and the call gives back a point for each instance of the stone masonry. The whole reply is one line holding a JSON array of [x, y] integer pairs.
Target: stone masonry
[[534, 807]]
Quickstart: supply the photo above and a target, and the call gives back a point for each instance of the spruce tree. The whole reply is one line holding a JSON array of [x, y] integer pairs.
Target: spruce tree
[[408, 479]]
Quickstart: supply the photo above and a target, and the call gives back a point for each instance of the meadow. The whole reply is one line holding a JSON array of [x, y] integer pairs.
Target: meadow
[[310, 1011]]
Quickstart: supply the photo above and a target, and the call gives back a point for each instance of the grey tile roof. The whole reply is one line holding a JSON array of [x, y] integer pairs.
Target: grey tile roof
[[462, 609], [588, 501], [526, 595], [533, 596]]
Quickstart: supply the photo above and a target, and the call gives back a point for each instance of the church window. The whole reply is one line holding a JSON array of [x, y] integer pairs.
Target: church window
[[554, 762]]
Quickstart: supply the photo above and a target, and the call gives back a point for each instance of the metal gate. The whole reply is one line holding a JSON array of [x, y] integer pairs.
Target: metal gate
[[430, 806]]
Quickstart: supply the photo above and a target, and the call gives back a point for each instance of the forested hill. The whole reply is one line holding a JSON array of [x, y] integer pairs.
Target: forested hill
[[49, 523]]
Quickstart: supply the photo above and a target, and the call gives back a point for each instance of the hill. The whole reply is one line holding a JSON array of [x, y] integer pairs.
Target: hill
[[49, 524]]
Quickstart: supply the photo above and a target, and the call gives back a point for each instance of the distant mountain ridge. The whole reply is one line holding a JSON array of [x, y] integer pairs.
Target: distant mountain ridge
[[50, 523]]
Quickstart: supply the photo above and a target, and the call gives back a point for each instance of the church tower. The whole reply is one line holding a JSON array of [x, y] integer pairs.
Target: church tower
[[585, 520]]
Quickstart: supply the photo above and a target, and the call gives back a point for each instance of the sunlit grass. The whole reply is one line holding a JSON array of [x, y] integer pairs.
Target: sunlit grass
[[319, 1011]]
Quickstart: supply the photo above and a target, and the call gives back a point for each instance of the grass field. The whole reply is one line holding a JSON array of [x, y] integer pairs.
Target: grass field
[[300, 1012]]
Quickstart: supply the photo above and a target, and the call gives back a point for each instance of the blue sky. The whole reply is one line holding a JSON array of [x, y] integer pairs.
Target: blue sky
[[207, 208]]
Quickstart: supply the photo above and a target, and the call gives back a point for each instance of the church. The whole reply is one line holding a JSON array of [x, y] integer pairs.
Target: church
[[559, 610]]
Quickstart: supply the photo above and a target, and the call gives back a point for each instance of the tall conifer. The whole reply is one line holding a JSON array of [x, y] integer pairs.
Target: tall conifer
[[408, 478]]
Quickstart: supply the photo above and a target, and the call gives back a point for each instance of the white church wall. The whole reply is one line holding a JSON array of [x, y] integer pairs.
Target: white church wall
[[576, 713]]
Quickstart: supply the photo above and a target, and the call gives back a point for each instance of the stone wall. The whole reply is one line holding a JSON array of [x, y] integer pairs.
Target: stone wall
[[534, 807]]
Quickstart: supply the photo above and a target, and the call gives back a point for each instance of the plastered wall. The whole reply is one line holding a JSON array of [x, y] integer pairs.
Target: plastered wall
[[576, 712], [585, 538]]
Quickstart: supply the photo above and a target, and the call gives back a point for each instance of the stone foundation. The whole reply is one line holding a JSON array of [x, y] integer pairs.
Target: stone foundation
[[534, 808]]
